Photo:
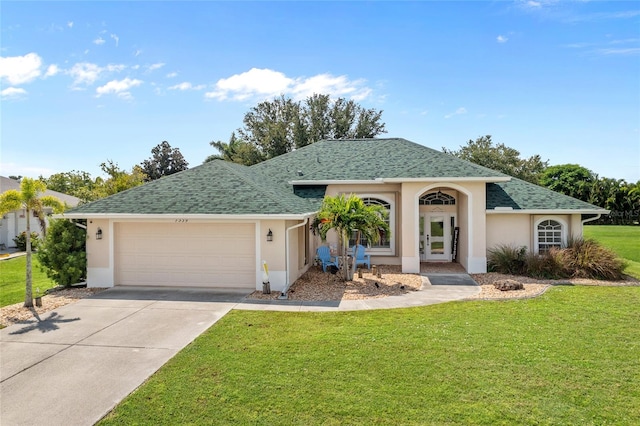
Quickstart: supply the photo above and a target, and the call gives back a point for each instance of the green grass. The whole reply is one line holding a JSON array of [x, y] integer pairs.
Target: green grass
[[13, 278], [567, 357], [623, 240]]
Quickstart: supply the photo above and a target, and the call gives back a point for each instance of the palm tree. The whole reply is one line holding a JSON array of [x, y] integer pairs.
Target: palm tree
[[28, 198], [349, 215]]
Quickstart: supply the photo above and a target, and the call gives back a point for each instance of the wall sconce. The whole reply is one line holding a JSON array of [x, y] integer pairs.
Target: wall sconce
[[99, 234], [269, 235]]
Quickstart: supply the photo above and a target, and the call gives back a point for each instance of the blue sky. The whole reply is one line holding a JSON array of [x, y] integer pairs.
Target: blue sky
[[83, 82]]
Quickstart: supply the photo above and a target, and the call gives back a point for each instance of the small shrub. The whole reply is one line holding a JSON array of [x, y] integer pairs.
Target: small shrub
[[587, 258], [549, 265], [63, 253], [507, 259], [21, 241]]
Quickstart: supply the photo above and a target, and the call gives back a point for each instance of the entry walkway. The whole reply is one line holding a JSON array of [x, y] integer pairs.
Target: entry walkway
[[73, 365]]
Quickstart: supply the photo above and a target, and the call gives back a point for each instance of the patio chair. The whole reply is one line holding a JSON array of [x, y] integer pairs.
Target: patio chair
[[361, 257], [324, 255]]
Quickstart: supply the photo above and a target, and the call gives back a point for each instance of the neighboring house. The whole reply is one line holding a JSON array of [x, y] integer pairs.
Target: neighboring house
[[214, 225], [14, 223]]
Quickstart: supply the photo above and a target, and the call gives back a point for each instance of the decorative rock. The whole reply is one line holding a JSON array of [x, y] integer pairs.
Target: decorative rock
[[508, 285]]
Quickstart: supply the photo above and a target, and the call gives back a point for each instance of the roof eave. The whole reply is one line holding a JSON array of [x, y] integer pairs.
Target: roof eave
[[400, 180], [546, 211], [175, 216]]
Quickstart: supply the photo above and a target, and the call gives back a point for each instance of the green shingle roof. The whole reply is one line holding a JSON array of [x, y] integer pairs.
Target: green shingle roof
[[521, 195], [220, 187]]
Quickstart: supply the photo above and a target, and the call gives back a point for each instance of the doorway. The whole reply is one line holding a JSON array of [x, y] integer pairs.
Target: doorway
[[436, 236]]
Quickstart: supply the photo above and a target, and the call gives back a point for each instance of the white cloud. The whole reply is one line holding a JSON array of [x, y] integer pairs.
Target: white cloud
[[12, 92], [84, 73], [137, 52], [172, 75], [119, 88], [187, 86], [70, 24], [501, 39], [98, 41], [620, 51], [116, 38], [263, 83], [87, 73], [23, 170], [52, 70], [154, 67], [459, 111], [20, 69]]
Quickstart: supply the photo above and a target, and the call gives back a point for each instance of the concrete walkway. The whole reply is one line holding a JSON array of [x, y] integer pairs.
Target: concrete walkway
[[73, 365]]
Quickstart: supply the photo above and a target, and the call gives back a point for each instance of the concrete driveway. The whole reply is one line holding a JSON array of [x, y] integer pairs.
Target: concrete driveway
[[76, 363]]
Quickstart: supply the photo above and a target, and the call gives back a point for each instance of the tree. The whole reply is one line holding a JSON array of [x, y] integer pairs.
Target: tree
[[349, 215], [501, 158], [236, 151], [76, 183], [164, 161], [63, 252], [119, 180], [278, 126], [29, 198], [570, 179]]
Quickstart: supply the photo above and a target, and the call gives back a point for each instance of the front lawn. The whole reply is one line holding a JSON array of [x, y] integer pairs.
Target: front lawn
[[623, 240], [13, 279], [567, 357]]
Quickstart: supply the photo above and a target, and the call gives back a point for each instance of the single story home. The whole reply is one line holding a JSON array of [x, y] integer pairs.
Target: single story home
[[14, 223], [215, 224]]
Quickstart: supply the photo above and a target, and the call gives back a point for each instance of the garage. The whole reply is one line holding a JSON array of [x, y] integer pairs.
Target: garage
[[187, 254]]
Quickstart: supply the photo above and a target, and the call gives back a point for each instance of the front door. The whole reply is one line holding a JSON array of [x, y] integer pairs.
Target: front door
[[435, 236]]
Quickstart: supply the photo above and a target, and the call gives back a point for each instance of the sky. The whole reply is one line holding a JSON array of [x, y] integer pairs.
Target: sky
[[86, 82]]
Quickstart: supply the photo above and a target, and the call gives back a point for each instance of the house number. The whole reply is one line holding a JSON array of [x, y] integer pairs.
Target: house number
[[182, 220]]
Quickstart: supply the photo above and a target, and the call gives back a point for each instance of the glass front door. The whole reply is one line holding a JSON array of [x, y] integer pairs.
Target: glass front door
[[435, 236]]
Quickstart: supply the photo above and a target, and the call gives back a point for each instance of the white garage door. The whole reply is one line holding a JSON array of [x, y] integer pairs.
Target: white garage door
[[185, 254]]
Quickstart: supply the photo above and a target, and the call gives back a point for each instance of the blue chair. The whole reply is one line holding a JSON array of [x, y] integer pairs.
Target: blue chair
[[361, 257], [324, 254]]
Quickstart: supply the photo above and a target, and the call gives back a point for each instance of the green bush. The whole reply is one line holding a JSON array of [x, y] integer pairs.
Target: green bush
[[580, 259], [587, 258], [63, 253], [507, 259], [21, 241], [549, 265]]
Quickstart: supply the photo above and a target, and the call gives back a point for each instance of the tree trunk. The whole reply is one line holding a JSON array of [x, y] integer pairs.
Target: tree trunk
[[28, 294]]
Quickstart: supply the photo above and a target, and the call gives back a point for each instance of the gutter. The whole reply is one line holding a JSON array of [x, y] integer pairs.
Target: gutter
[[283, 294]]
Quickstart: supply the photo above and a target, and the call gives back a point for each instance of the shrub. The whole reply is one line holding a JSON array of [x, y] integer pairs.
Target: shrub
[[587, 258], [549, 265], [507, 259], [63, 253], [21, 241]]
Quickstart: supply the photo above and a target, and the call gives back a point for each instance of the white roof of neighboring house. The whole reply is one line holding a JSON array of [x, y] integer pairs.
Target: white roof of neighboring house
[[7, 184]]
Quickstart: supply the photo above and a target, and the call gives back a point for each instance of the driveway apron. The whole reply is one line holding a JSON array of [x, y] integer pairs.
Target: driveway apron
[[73, 365]]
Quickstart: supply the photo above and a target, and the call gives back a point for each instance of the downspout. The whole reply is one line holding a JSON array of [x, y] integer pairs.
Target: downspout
[[283, 294], [591, 219]]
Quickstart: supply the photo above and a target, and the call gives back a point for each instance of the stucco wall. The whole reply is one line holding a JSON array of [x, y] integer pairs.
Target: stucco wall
[[509, 229], [99, 254]]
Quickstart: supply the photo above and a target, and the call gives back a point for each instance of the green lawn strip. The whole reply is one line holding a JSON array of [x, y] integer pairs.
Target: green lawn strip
[[569, 356], [624, 240], [13, 279]]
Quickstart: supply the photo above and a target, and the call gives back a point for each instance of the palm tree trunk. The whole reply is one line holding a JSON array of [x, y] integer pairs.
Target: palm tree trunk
[[28, 295]]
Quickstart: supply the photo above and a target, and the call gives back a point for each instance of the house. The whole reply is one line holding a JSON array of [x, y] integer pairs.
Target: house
[[214, 225], [14, 223]]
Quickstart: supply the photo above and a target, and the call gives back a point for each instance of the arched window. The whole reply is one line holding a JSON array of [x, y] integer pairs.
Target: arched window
[[549, 234], [385, 244], [437, 199]]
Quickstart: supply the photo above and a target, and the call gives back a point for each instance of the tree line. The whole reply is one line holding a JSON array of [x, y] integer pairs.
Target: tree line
[[281, 125]]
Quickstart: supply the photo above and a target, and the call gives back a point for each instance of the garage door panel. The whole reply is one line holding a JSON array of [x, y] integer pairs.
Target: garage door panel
[[194, 255]]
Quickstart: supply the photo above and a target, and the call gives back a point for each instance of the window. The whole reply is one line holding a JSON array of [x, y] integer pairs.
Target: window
[[437, 198], [385, 244], [549, 233]]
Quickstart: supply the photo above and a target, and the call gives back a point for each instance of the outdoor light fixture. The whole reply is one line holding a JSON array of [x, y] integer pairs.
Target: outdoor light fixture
[[269, 235], [99, 234]]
